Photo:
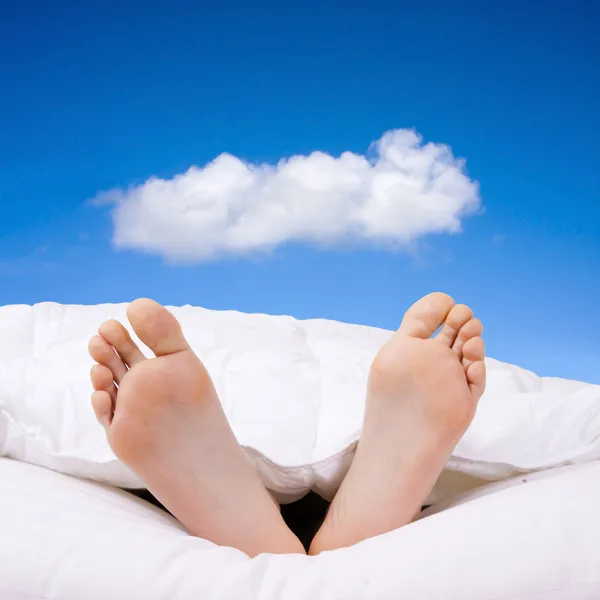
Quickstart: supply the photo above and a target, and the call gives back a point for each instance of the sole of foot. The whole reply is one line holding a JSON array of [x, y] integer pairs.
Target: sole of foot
[[421, 397], [164, 420]]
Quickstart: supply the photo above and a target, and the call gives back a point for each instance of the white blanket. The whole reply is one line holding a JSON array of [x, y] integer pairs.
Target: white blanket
[[294, 392]]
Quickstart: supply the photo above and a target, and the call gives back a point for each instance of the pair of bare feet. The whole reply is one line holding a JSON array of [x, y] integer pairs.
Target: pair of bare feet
[[164, 420]]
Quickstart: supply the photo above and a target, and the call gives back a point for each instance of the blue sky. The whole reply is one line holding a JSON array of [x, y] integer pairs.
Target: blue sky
[[97, 97]]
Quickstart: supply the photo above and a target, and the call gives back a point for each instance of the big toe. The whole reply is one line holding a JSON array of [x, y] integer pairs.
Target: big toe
[[426, 315], [156, 327]]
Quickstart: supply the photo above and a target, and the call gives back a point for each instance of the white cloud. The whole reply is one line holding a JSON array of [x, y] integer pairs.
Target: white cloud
[[406, 190]]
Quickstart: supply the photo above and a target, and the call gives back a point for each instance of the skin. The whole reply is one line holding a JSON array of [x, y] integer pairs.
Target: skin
[[163, 419]]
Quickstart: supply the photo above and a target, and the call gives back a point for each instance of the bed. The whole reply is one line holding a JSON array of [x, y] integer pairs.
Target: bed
[[514, 515]]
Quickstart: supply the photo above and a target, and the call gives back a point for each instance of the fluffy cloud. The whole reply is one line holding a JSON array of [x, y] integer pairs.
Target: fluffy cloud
[[402, 190]]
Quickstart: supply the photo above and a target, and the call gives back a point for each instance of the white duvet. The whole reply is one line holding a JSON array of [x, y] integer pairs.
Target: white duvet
[[294, 392]]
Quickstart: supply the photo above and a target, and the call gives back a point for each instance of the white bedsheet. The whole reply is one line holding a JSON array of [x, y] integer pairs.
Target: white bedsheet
[[67, 539]]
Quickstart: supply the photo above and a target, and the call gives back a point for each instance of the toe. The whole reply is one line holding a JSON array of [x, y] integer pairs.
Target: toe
[[102, 405], [472, 328], [118, 337], [474, 365], [473, 351], [102, 352], [102, 381], [457, 317], [424, 317], [476, 377], [156, 327]]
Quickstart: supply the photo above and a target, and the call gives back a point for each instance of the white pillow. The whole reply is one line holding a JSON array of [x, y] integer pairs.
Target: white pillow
[[68, 539], [294, 392]]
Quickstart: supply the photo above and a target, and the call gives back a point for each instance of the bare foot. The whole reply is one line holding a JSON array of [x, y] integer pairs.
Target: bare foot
[[164, 420], [421, 397]]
